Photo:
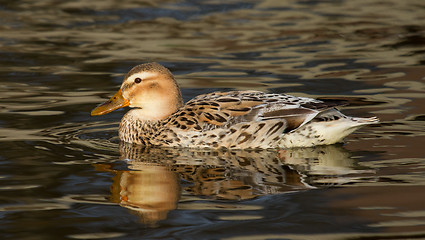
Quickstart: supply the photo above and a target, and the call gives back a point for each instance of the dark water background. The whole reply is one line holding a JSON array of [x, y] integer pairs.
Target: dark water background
[[63, 174]]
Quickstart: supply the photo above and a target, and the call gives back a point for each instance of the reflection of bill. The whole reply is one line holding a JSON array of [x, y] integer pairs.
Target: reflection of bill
[[151, 186]]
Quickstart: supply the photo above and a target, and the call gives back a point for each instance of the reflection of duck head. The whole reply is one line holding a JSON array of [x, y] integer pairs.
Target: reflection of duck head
[[151, 185], [147, 189]]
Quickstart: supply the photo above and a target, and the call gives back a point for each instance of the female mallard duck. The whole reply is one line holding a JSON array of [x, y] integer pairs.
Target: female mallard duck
[[236, 119]]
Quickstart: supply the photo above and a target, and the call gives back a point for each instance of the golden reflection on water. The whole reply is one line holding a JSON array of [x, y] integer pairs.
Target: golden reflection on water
[[150, 187], [281, 40]]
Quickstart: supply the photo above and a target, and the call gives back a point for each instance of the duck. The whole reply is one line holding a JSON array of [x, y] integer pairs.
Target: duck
[[246, 119]]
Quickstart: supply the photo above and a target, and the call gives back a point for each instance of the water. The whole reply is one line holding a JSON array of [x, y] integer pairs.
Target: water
[[64, 175]]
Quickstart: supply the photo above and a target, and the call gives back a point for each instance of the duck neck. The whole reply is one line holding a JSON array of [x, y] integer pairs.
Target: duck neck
[[134, 129]]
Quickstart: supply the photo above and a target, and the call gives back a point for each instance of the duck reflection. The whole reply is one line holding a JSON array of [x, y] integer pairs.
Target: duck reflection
[[152, 184], [149, 190]]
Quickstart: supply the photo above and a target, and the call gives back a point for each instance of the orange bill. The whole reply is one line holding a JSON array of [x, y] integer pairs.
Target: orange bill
[[116, 101]]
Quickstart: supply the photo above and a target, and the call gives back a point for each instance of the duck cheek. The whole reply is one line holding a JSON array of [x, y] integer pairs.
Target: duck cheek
[[153, 86]]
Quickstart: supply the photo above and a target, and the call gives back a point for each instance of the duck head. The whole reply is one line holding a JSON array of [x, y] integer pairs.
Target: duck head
[[150, 88]]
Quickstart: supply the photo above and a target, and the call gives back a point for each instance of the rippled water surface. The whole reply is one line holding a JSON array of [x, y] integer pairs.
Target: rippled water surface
[[64, 174]]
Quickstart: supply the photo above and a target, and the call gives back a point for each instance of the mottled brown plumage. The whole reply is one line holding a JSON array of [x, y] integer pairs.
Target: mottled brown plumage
[[236, 119]]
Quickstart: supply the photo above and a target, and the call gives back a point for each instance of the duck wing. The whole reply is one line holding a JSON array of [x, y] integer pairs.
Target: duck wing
[[228, 109]]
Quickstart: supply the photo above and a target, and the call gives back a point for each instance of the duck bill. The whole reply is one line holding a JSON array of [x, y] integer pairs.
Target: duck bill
[[116, 101]]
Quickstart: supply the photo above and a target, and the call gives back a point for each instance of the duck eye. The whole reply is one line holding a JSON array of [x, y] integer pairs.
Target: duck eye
[[137, 80]]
